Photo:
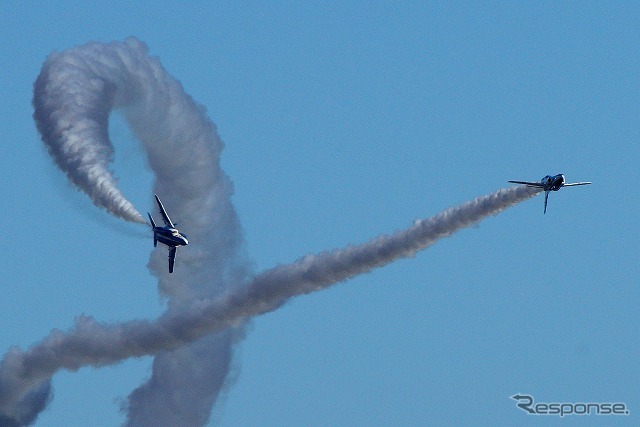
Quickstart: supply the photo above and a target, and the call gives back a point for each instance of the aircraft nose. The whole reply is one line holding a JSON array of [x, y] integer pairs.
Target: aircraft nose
[[186, 242]]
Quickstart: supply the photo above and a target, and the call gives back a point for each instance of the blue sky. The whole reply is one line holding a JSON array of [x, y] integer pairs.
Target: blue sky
[[342, 122]]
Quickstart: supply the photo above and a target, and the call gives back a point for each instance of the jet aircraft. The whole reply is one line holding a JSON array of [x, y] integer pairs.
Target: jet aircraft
[[168, 235], [550, 183]]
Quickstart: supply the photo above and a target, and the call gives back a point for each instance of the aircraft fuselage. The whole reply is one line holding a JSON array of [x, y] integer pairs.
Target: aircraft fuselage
[[553, 183], [550, 183], [169, 236]]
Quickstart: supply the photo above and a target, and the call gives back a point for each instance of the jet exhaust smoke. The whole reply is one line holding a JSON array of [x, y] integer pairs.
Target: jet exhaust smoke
[[96, 344], [74, 95], [72, 104]]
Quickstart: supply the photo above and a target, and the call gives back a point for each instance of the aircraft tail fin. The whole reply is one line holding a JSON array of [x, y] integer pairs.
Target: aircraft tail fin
[[153, 223], [546, 197], [153, 227]]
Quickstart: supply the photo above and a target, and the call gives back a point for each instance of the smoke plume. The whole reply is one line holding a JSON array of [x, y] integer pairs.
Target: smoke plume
[[95, 344], [74, 95], [210, 294]]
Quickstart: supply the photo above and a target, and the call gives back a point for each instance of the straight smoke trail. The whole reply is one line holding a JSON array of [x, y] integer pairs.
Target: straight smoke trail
[[74, 95], [24, 373]]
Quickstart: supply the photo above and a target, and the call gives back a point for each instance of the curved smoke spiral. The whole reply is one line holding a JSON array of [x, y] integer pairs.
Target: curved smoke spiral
[[73, 97]]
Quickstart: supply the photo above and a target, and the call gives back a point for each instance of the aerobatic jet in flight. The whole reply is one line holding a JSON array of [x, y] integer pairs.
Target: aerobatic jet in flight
[[550, 183], [168, 235]]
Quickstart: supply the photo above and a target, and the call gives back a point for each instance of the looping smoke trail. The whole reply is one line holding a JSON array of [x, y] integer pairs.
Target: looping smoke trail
[[72, 105], [74, 95], [95, 344]]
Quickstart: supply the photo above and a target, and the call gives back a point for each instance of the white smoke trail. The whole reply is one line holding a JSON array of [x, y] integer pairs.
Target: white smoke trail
[[95, 344], [72, 105], [73, 96]]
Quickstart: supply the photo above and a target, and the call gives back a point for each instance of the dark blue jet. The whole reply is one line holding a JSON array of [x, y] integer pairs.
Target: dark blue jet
[[550, 183], [168, 235]]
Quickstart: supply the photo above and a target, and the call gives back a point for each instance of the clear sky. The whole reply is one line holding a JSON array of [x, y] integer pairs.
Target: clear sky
[[342, 122]]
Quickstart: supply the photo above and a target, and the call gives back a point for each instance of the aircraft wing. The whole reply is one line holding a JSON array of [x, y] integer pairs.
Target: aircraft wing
[[165, 217], [172, 258], [576, 183], [528, 184]]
